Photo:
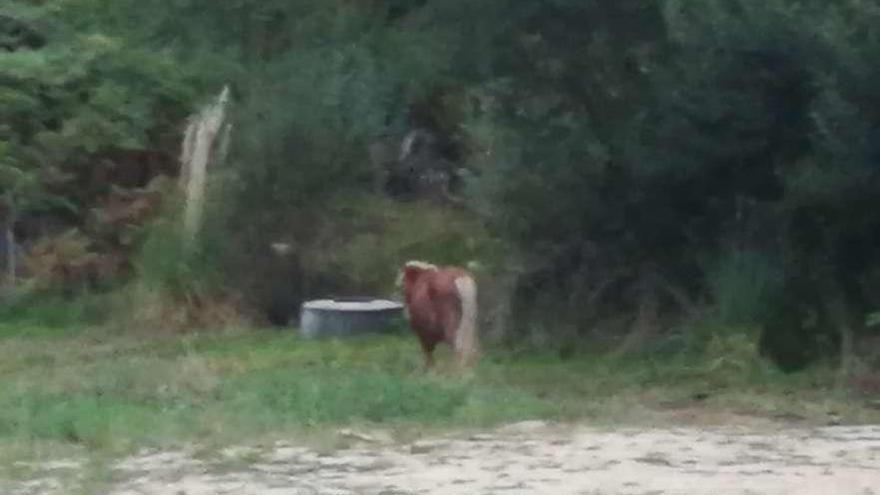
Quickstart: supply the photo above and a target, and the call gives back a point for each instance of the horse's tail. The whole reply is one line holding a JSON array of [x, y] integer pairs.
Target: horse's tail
[[466, 343]]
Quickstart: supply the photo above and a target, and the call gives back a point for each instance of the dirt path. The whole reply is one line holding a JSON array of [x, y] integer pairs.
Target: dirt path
[[534, 458]]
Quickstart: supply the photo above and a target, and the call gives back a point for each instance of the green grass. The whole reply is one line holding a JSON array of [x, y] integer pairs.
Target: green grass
[[112, 393], [105, 395]]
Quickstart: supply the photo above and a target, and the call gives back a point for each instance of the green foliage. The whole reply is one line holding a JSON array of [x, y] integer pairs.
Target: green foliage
[[743, 287], [36, 313], [376, 237], [78, 90], [741, 130], [639, 157], [21, 185], [164, 262]]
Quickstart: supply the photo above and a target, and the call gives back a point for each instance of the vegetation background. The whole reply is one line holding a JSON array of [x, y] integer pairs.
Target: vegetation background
[[689, 187]]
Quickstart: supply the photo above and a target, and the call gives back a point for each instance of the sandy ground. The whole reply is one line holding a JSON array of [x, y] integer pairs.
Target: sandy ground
[[529, 457]]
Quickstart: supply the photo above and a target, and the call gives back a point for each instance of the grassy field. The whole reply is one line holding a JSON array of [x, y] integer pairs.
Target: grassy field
[[80, 391]]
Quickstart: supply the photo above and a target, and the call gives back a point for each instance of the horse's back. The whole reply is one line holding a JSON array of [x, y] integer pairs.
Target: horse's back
[[423, 315], [435, 308]]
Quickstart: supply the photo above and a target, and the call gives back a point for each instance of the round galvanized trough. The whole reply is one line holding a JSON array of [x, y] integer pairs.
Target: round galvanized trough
[[347, 317]]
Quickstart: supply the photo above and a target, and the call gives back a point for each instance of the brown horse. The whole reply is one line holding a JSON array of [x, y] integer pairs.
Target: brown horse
[[441, 304]]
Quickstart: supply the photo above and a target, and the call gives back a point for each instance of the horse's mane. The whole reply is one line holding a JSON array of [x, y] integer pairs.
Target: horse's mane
[[421, 265]]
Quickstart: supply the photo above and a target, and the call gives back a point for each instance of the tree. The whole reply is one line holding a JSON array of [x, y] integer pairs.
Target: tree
[[77, 86]]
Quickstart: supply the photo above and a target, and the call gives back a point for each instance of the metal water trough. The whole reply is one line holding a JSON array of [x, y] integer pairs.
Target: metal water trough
[[347, 316]]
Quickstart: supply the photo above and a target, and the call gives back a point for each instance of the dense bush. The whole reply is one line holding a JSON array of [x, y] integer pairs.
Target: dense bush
[[634, 164]]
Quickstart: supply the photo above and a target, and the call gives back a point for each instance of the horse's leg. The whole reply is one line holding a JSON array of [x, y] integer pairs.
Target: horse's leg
[[428, 351]]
